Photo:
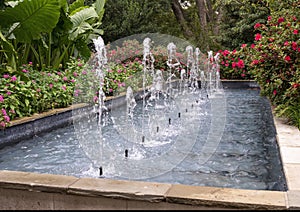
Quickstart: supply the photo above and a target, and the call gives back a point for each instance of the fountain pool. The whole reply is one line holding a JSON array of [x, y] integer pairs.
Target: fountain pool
[[174, 132], [246, 157]]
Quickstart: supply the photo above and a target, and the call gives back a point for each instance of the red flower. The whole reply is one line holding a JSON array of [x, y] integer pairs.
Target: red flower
[[294, 45], [280, 20], [274, 92], [287, 58], [257, 25], [296, 85], [295, 31], [225, 53], [233, 64], [258, 36], [255, 62], [241, 64]]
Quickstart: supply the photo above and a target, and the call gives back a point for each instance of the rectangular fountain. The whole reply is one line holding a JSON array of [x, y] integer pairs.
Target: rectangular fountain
[[177, 143]]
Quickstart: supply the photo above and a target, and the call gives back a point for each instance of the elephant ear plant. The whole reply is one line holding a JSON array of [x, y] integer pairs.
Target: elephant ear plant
[[47, 32], [21, 24], [37, 40]]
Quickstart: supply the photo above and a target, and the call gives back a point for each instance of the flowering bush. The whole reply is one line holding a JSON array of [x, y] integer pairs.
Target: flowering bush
[[29, 91], [234, 65], [132, 50], [276, 62]]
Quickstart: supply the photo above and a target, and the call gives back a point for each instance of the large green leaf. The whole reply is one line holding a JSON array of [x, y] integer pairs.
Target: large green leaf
[[80, 22], [30, 18], [99, 6], [75, 5]]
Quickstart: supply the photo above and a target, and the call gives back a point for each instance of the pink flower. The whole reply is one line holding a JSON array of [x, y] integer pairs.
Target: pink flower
[[243, 75], [24, 70], [79, 64], [5, 76], [13, 78], [64, 87], [7, 119], [8, 93], [65, 78], [286, 43], [269, 18], [244, 45], [1, 98], [2, 124], [75, 74], [252, 46], [258, 36], [274, 92], [95, 98], [3, 112], [30, 63], [295, 31]]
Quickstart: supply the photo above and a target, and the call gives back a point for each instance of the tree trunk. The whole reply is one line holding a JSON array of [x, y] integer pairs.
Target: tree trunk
[[202, 12], [210, 11], [177, 10]]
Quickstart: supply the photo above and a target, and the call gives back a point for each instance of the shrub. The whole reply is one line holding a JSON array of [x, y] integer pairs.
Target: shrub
[[29, 91], [276, 61], [234, 64]]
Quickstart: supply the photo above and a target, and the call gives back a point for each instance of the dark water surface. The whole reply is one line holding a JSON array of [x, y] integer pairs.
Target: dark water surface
[[245, 156]]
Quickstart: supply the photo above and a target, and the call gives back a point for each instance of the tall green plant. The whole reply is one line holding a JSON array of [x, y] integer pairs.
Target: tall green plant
[[48, 32], [23, 23]]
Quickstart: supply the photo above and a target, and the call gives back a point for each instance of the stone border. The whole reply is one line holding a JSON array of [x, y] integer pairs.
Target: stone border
[[13, 183]]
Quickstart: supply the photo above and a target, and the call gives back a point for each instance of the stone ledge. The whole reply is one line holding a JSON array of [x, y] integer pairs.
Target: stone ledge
[[35, 182], [136, 190], [148, 192], [227, 197]]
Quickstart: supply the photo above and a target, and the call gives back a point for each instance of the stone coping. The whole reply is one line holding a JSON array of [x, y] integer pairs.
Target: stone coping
[[144, 191], [288, 138]]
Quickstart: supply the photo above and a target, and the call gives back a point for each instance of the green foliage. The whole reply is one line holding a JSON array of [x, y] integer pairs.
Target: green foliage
[[275, 61], [123, 18], [34, 91], [234, 64], [28, 19], [238, 20], [48, 32]]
